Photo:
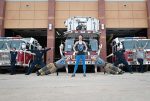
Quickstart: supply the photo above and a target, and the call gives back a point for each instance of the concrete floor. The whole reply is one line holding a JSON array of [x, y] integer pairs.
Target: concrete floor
[[94, 87]]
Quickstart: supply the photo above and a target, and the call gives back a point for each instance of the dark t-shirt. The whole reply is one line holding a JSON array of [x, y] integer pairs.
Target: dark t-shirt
[[39, 54], [13, 56], [119, 54], [80, 48]]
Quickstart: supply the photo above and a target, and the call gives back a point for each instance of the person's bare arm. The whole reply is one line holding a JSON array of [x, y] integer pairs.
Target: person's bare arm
[[110, 55], [99, 51], [61, 50], [7, 46], [145, 45]]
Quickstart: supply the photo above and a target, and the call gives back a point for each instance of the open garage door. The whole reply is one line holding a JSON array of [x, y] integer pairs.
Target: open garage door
[[114, 32], [59, 38]]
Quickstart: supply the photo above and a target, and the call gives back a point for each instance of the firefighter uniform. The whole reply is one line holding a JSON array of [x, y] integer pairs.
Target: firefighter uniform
[[108, 67], [13, 55], [52, 67], [38, 59], [111, 69], [121, 59]]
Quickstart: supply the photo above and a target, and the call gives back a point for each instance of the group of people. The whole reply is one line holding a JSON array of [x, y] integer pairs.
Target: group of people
[[38, 60], [80, 48]]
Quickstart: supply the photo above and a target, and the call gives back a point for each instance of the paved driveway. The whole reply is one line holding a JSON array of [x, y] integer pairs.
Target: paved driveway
[[94, 87]]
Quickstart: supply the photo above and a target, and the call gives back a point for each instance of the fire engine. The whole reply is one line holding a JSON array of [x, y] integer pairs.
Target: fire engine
[[22, 45], [130, 44], [88, 27]]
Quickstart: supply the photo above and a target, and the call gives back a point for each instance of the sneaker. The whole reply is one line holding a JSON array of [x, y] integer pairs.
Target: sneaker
[[37, 73], [73, 75], [26, 73], [131, 72], [84, 75]]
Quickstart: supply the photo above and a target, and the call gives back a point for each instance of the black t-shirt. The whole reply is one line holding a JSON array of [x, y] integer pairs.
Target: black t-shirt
[[39, 54], [13, 56], [80, 48], [119, 54]]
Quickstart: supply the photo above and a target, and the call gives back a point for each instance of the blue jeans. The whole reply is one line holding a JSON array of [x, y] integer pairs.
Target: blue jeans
[[78, 57]]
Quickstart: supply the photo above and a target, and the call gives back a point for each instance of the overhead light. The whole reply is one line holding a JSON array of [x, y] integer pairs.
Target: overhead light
[[50, 26], [102, 26]]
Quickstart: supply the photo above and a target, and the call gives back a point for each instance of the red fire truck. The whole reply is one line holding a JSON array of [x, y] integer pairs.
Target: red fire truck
[[89, 28], [22, 45], [130, 44]]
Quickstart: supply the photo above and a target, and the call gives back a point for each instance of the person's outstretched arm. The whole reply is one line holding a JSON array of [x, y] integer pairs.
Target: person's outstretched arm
[[145, 45], [99, 51], [47, 49], [110, 55], [61, 50]]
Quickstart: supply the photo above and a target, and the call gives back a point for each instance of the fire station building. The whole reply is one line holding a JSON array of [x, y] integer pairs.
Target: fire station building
[[44, 19]]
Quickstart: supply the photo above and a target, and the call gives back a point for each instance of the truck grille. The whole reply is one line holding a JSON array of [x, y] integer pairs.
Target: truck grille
[[4, 58]]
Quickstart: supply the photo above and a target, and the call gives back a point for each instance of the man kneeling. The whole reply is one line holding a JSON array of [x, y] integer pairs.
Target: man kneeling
[[53, 67], [108, 67], [112, 69]]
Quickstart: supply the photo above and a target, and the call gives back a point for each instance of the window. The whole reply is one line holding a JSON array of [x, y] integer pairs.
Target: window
[[93, 44], [69, 44], [142, 43], [3, 45], [15, 43], [129, 44]]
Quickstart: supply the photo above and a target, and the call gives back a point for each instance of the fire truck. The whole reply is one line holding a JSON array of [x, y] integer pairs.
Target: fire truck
[[130, 44], [88, 27], [22, 45]]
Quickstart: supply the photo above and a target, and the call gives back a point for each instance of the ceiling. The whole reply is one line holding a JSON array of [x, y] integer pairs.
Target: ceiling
[[26, 32]]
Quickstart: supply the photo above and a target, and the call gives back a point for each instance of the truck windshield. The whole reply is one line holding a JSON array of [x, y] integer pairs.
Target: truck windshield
[[93, 45], [142, 43], [69, 44], [15, 43], [3, 45], [132, 44]]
